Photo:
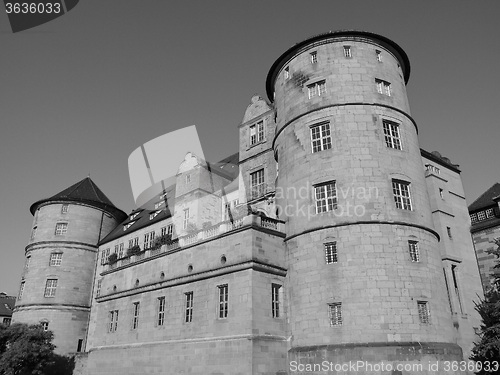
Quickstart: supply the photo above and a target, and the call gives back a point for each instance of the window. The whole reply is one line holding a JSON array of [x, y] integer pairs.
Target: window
[[50, 288], [331, 252], [128, 225], [473, 218], [154, 214], [167, 230], [6, 321], [414, 252], [21, 290], [316, 89], [257, 133], [149, 239], [134, 215], [104, 256], [276, 303], [432, 169], [135, 319], [423, 312], [401, 191], [120, 251], [55, 259], [335, 313], [455, 286], [287, 72], [113, 320], [98, 291], [347, 51], [61, 228], [45, 325], [321, 137], [314, 57], [325, 196], [159, 204], [79, 346], [441, 193], [448, 290], [64, 208], [448, 230], [188, 178], [161, 311], [188, 318], [379, 55], [257, 183], [489, 213], [185, 221], [33, 233], [391, 135], [223, 297], [383, 87], [28, 261]]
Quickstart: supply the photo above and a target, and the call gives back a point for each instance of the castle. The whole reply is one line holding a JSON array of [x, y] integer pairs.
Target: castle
[[330, 238]]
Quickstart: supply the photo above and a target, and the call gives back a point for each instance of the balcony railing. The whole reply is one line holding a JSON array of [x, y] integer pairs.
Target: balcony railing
[[201, 235]]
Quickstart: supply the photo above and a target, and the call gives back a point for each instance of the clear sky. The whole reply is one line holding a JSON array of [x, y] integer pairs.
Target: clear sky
[[79, 94]]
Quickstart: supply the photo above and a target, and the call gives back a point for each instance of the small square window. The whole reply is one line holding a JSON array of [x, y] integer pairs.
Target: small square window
[[489, 213], [316, 89], [423, 312], [347, 51], [335, 313], [61, 229], [45, 325], [331, 252], [55, 259], [414, 251], [64, 208], [383, 87]]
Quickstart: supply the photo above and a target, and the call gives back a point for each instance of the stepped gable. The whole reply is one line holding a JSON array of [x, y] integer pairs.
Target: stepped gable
[[486, 199], [84, 191]]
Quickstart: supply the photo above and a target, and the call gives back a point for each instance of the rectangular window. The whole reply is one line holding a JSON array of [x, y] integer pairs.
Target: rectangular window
[[98, 291], [316, 89], [383, 87], [276, 303], [21, 290], [347, 51], [473, 218], [335, 313], [188, 178], [188, 317], [50, 288], [257, 186], [489, 213], [185, 221], [130, 243], [325, 196], [448, 230], [223, 297], [161, 311], [314, 57], [257, 133], [61, 228], [154, 214], [441, 193], [401, 191], [455, 286], [391, 135], [135, 320], [331, 252], [481, 215], [55, 259], [79, 346], [149, 239], [414, 252], [159, 204], [423, 312], [379, 55], [45, 325], [7, 321], [321, 138], [64, 208], [120, 251], [448, 290], [167, 231], [113, 320], [287, 72]]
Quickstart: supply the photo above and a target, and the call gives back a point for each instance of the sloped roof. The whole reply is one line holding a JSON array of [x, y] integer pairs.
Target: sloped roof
[[486, 199], [85, 191], [6, 304]]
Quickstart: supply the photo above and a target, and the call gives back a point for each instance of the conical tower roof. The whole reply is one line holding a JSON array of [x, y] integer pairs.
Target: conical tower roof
[[84, 191]]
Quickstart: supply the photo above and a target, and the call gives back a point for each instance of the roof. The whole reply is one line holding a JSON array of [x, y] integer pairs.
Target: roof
[[84, 191], [229, 165], [442, 160], [486, 199], [362, 35], [6, 304]]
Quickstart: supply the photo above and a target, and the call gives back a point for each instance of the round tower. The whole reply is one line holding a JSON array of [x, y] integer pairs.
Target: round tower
[[61, 257], [365, 280]]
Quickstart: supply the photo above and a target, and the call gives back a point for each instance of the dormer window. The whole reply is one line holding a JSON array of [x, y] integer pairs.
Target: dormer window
[[133, 216], [128, 225], [154, 214], [159, 204]]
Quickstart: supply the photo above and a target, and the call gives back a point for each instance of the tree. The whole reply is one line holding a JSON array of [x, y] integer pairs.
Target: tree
[[488, 348], [25, 349]]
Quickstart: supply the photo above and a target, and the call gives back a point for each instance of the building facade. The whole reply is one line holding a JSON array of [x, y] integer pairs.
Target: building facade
[[6, 307], [485, 218], [332, 237]]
